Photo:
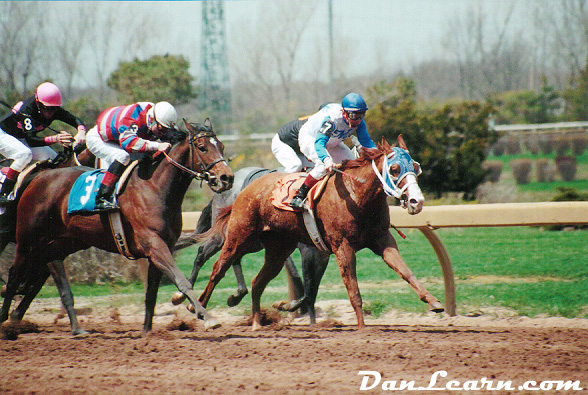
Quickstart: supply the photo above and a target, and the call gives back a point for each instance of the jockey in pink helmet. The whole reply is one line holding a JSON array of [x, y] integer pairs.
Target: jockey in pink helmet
[[19, 129]]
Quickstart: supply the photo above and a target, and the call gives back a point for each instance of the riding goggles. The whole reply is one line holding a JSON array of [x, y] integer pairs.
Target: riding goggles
[[353, 115]]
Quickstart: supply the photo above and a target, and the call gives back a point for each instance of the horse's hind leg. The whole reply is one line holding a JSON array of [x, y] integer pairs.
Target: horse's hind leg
[[276, 254], [296, 287], [234, 300], [388, 249], [16, 275], [31, 288]]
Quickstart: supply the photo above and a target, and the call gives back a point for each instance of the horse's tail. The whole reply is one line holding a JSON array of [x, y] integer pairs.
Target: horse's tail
[[204, 224], [218, 231]]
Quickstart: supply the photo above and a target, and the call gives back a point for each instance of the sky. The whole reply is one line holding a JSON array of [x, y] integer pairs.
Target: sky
[[390, 34], [396, 32]]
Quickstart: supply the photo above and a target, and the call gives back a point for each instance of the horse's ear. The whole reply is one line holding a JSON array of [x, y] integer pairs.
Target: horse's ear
[[384, 146], [401, 142], [208, 123], [188, 126]]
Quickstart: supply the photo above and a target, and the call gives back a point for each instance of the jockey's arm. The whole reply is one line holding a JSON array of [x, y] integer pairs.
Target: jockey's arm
[[131, 142], [67, 117], [363, 136], [322, 138]]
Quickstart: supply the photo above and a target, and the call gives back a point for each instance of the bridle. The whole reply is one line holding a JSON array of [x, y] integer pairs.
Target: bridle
[[390, 183], [203, 173]]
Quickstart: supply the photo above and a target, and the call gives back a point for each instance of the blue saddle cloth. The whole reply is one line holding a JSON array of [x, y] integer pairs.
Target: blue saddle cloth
[[82, 197]]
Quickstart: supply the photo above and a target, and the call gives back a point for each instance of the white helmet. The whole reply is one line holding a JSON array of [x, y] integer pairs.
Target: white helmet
[[164, 114]]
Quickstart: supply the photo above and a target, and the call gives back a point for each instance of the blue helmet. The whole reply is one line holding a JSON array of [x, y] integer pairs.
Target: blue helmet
[[354, 102]]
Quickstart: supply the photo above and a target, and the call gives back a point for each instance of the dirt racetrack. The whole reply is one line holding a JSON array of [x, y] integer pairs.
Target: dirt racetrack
[[179, 357]]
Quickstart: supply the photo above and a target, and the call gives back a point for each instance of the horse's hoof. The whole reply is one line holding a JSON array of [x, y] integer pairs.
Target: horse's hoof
[[79, 332], [212, 323], [233, 301], [191, 308], [436, 307], [178, 298], [281, 305]]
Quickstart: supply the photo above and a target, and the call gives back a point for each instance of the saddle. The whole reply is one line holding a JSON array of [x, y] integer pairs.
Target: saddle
[[285, 191], [82, 199]]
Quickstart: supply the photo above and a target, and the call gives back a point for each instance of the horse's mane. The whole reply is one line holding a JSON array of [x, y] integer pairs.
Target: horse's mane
[[174, 136], [367, 155]]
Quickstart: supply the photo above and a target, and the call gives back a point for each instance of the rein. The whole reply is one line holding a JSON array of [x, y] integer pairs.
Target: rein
[[203, 174]]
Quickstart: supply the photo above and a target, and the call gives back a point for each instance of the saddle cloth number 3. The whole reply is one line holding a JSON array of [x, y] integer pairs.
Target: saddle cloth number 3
[[90, 182]]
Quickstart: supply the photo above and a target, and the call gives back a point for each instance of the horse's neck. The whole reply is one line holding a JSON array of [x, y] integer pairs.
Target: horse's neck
[[363, 184], [171, 181]]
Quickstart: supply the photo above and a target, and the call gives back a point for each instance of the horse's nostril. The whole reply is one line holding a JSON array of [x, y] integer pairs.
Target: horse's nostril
[[413, 202]]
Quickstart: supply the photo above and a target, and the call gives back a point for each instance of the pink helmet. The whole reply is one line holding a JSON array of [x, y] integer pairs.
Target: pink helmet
[[48, 94]]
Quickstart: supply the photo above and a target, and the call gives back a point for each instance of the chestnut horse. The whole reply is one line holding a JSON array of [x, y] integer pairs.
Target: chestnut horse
[[352, 213], [314, 262], [150, 210]]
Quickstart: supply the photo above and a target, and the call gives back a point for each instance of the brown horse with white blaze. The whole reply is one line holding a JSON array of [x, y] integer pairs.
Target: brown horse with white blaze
[[352, 213], [150, 210]]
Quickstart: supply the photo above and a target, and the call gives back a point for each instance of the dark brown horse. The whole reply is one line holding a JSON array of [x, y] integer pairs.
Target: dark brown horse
[[78, 156], [150, 210], [352, 214]]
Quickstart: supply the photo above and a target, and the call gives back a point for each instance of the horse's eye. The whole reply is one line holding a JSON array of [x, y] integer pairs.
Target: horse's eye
[[394, 170], [202, 148]]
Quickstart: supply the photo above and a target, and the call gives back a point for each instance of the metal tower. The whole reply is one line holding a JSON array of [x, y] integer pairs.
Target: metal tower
[[214, 68]]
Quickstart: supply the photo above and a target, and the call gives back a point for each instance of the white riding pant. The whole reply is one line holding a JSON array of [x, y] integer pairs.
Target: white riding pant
[[338, 153], [107, 151], [292, 161], [18, 149]]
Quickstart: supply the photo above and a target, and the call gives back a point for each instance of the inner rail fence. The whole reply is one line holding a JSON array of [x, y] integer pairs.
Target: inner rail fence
[[468, 216]]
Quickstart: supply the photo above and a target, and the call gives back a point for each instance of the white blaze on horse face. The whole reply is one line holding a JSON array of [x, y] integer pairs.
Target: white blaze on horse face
[[215, 142], [415, 198]]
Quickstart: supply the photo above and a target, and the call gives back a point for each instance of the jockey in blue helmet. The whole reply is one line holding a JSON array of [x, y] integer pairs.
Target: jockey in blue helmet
[[321, 139]]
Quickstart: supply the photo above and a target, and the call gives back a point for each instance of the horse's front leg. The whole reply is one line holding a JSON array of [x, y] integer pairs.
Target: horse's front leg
[[387, 248], [153, 280], [347, 266], [67, 299], [314, 264], [160, 255]]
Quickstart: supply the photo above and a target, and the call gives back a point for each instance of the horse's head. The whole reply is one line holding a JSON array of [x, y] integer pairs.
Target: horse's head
[[206, 156], [398, 173]]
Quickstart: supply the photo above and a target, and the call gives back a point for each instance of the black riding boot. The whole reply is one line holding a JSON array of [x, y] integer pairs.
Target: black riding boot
[[7, 187], [298, 200], [105, 199]]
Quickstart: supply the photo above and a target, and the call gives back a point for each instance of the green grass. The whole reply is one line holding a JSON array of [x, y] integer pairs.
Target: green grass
[[528, 270]]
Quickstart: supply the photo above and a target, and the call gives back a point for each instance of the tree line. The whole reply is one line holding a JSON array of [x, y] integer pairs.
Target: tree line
[[443, 107]]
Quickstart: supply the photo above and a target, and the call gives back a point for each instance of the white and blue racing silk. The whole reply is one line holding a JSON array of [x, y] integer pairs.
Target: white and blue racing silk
[[328, 129]]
